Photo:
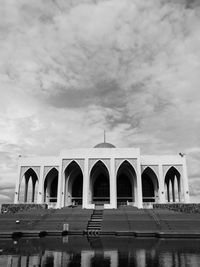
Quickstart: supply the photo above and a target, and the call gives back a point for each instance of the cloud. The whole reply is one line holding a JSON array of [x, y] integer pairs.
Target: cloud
[[69, 69], [4, 198]]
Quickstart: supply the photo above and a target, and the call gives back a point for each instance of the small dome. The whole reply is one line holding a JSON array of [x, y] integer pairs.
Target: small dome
[[104, 145]]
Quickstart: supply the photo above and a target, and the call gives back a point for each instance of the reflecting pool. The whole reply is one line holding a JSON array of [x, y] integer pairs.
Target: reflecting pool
[[95, 251]]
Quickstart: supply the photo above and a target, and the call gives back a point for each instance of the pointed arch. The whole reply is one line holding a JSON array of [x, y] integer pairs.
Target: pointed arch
[[28, 186], [93, 161], [126, 183], [149, 185], [51, 186], [99, 183], [73, 184], [127, 161], [173, 178], [67, 163]]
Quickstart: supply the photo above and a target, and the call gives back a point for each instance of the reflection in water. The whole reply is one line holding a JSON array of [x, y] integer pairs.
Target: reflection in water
[[106, 252]]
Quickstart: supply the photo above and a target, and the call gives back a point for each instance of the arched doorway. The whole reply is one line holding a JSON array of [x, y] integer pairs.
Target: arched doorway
[[51, 187], [173, 185], [28, 187], [149, 185], [100, 184], [73, 184], [126, 183]]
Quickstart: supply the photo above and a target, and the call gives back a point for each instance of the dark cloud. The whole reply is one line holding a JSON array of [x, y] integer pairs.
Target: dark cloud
[[186, 3], [6, 187], [192, 3], [104, 94]]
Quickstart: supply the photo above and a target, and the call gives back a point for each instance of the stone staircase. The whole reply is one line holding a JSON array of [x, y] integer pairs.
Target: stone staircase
[[94, 224]]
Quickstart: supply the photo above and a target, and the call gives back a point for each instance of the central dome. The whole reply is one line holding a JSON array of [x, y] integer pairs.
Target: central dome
[[104, 145]]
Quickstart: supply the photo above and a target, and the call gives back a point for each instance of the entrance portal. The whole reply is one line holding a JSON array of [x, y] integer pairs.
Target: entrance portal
[[51, 187], [100, 185], [149, 185], [73, 184], [125, 183]]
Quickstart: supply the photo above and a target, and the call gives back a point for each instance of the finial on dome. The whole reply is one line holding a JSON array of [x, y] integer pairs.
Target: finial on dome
[[104, 144]]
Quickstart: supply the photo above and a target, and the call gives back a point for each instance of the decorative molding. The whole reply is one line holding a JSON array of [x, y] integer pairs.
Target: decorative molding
[[26, 168], [23, 169], [48, 168], [66, 162], [155, 168], [93, 161], [132, 161], [167, 167]]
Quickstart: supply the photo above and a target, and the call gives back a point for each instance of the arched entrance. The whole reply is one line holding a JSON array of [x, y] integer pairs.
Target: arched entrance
[[173, 185], [28, 187], [126, 182], [100, 184], [149, 185], [51, 187], [73, 184]]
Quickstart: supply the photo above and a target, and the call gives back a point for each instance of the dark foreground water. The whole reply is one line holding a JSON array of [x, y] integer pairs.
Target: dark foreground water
[[105, 251]]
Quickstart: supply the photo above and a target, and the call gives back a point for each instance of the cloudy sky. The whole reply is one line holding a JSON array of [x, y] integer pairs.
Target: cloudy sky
[[70, 69]]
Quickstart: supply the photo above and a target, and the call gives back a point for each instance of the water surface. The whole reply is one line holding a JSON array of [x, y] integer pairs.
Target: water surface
[[107, 251]]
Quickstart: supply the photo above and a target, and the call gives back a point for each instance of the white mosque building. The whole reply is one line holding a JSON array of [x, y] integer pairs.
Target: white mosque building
[[103, 175]]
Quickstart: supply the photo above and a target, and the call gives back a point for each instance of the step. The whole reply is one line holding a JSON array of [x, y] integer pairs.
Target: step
[[93, 228], [94, 224]]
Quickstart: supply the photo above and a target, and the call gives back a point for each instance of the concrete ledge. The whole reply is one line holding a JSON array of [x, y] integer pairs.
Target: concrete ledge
[[178, 235], [180, 207], [125, 233], [145, 234], [75, 232], [39, 234], [15, 208]]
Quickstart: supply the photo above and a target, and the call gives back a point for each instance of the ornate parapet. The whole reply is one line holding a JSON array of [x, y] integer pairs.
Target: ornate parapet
[[180, 207], [15, 208]]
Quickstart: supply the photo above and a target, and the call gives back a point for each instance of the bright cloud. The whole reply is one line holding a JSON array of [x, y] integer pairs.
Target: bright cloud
[[69, 69]]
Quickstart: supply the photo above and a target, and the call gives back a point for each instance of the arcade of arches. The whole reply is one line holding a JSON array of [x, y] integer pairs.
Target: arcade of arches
[[103, 175], [99, 185]]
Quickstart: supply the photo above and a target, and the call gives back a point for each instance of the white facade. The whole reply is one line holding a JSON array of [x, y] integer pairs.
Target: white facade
[[102, 175]]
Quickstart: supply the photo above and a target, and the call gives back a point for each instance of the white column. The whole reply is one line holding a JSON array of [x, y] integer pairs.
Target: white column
[[86, 256], [40, 195], [173, 191], [17, 186], [185, 182], [65, 195], [60, 193], [161, 183], [139, 185], [113, 185], [33, 191], [57, 258], [113, 255], [140, 256], [26, 189], [85, 185]]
